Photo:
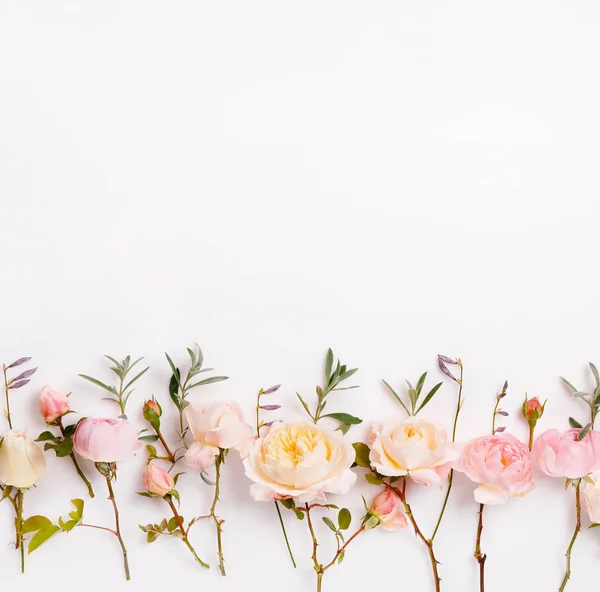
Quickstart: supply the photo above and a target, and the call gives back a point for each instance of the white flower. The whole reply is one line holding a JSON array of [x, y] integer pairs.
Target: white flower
[[590, 487], [22, 462]]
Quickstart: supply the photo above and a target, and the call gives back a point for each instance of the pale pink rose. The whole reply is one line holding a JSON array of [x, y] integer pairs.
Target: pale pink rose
[[500, 464], [200, 456], [564, 455], [299, 460], [411, 447], [389, 509], [53, 404], [105, 440], [157, 480]]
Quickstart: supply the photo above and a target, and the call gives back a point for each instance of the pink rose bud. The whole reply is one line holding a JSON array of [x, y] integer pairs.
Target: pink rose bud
[[157, 480], [532, 410], [152, 413], [105, 440], [154, 406], [53, 404], [389, 509]]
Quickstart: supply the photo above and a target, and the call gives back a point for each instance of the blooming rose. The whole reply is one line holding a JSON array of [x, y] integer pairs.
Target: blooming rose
[[105, 440], [389, 509], [22, 462], [299, 460], [412, 447], [53, 404], [215, 427], [157, 480], [564, 455], [500, 464], [590, 487]]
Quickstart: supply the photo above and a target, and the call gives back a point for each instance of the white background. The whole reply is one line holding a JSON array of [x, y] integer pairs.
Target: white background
[[392, 179]]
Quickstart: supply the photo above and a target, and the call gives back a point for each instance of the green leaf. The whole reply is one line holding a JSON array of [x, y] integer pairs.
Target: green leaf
[[173, 524], [152, 536], [397, 396], [70, 429], [41, 536], [136, 378], [205, 478], [174, 389], [78, 512], [341, 557], [373, 479], [299, 514], [110, 389], [207, 381], [144, 494], [344, 427], [304, 404], [420, 383], [117, 364], [348, 374], [173, 367], [69, 525], [288, 503], [34, 523], [150, 438], [175, 494], [595, 373], [328, 364], [46, 436], [329, 523], [568, 384], [362, 454], [65, 447], [151, 450], [429, 396], [574, 423], [344, 519], [344, 418], [583, 433]]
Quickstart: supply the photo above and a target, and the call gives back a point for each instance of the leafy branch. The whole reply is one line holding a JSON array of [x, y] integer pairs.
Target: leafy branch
[[414, 393], [592, 399], [15, 383]]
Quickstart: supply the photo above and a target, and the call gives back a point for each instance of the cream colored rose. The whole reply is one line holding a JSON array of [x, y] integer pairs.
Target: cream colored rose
[[22, 462], [413, 447], [299, 460], [590, 487]]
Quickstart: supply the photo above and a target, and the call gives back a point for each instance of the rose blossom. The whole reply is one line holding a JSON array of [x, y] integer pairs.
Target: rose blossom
[[299, 460], [590, 488], [215, 427], [157, 480], [412, 447], [564, 455], [53, 404], [22, 462], [105, 440], [389, 509], [500, 464]]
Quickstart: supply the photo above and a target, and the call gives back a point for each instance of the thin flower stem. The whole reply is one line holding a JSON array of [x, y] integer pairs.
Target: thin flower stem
[[184, 534], [111, 497], [451, 474], [342, 549], [170, 455], [76, 464], [531, 432], [479, 556], [574, 538], [100, 528], [19, 527], [218, 522], [6, 389]]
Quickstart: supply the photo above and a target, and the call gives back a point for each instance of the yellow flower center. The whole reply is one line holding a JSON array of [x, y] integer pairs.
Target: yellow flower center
[[290, 445]]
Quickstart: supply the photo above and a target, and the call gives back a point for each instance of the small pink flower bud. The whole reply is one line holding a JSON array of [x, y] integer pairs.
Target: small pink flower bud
[[388, 508], [157, 480], [53, 404], [152, 412], [532, 410], [154, 406]]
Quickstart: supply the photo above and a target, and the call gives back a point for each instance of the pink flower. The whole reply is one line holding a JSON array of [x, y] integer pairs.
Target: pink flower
[[215, 427], [500, 464], [105, 440], [564, 455], [389, 509], [157, 480], [53, 404]]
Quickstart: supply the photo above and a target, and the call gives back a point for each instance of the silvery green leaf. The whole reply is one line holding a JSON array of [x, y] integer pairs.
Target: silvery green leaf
[[595, 373], [568, 384]]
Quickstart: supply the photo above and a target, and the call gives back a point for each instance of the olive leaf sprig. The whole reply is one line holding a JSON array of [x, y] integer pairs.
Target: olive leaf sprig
[[179, 387], [119, 394], [414, 393], [334, 377], [592, 399]]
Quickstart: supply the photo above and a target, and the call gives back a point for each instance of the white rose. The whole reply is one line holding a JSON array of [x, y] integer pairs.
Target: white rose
[[22, 462], [412, 447], [301, 461], [590, 487]]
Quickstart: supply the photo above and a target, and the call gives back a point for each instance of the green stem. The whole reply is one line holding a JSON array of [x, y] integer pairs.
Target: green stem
[[479, 556], [19, 527], [218, 522], [574, 538], [170, 455], [6, 389], [76, 464], [184, 536], [451, 474], [285, 536], [317, 566], [111, 497]]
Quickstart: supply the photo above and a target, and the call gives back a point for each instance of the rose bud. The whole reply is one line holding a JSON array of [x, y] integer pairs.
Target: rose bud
[[157, 480], [388, 508], [22, 462], [105, 440], [152, 413], [532, 410], [53, 404]]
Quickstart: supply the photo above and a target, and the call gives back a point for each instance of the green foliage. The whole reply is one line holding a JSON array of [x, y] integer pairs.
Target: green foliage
[[344, 519], [62, 445], [362, 455], [592, 399], [44, 529], [414, 394]]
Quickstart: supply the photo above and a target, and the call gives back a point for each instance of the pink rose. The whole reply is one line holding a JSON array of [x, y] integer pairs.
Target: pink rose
[[389, 509], [53, 404], [564, 455], [105, 440], [215, 427], [157, 480], [500, 464]]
